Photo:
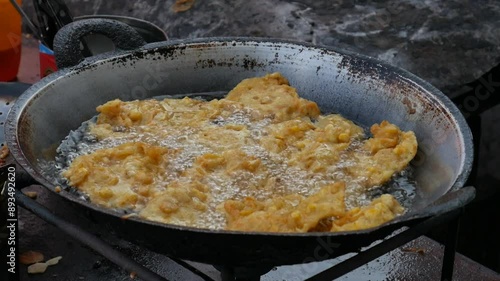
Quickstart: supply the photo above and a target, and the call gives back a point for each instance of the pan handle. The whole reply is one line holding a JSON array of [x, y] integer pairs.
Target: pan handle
[[67, 40], [450, 201]]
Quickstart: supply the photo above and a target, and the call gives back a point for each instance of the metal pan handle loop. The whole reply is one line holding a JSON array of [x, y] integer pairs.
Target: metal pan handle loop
[[67, 40]]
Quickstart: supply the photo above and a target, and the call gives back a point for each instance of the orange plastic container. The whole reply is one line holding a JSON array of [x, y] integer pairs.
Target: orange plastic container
[[10, 40]]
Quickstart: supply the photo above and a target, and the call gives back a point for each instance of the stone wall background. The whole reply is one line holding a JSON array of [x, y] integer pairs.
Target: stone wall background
[[448, 43]]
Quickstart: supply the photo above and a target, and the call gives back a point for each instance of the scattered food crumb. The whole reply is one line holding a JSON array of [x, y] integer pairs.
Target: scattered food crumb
[[127, 216], [37, 268], [58, 189], [30, 257], [133, 275], [53, 261], [31, 194], [40, 267], [419, 251], [4, 152], [182, 5]]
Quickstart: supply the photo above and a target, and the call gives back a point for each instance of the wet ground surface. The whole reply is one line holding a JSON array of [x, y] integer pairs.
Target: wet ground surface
[[448, 43]]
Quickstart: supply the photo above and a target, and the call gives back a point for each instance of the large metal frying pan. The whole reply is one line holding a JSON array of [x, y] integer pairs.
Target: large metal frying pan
[[361, 88]]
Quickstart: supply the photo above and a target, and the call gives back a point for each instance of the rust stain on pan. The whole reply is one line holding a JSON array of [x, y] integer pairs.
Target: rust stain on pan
[[409, 105], [412, 97], [358, 68], [24, 134], [209, 63], [251, 63], [204, 45], [164, 52], [397, 89], [247, 63]]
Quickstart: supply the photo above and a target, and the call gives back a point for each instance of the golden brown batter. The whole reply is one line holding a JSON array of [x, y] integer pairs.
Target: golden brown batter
[[262, 159]]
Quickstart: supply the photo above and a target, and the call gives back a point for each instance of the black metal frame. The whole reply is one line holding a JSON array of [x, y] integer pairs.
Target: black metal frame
[[398, 240], [410, 234]]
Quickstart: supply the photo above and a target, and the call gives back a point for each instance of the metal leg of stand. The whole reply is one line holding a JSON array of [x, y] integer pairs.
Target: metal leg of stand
[[383, 247], [242, 274], [227, 274], [450, 250]]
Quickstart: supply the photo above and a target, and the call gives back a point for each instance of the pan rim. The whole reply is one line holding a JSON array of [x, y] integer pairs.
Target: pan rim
[[13, 119]]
